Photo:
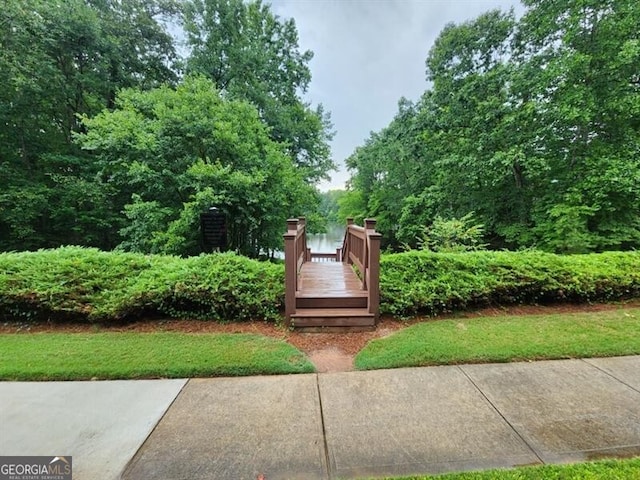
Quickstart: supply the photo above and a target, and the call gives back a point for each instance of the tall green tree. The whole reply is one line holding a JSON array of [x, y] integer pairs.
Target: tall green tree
[[58, 60], [479, 169], [170, 154], [330, 206], [390, 167], [580, 73], [253, 55], [531, 124]]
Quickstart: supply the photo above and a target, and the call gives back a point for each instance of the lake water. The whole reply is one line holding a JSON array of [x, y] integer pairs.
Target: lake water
[[326, 242], [323, 242]]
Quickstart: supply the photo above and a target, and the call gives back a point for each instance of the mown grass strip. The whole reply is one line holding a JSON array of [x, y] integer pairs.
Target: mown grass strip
[[628, 469], [505, 339], [109, 355]]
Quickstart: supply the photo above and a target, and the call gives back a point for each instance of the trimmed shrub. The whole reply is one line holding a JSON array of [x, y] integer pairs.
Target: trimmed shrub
[[84, 284], [74, 283], [418, 282]]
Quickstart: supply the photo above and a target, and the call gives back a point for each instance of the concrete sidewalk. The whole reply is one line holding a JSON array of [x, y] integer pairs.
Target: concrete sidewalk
[[326, 426], [100, 424]]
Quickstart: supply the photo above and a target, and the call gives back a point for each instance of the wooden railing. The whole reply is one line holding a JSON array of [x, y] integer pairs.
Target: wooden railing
[[295, 254], [324, 256], [360, 247]]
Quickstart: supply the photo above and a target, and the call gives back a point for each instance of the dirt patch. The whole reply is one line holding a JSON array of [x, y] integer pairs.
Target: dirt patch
[[330, 352], [331, 359]]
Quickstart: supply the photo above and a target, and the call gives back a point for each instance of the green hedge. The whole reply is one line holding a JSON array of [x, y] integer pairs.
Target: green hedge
[[419, 282], [74, 283]]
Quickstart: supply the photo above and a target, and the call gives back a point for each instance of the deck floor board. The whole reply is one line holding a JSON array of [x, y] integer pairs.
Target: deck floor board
[[329, 279]]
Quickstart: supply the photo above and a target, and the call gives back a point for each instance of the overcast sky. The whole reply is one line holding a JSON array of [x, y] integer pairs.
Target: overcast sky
[[368, 54]]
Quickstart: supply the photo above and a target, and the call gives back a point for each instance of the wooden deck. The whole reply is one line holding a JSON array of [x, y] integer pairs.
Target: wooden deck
[[322, 290], [331, 295]]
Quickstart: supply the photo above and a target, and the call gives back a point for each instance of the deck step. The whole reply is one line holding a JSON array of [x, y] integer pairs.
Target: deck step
[[332, 317], [332, 301]]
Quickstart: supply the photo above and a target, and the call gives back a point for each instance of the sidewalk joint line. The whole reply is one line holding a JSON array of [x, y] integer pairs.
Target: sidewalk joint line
[[155, 427], [586, 360], [533, 450], [324, 431]]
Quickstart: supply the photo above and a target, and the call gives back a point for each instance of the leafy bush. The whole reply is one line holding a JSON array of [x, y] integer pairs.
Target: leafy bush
[[74, 283], [453, 235], [81, 284], [425, 282]]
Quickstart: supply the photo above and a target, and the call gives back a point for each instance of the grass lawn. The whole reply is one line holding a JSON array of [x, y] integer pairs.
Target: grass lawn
[[602, 470], [117, 355], [505, 339]]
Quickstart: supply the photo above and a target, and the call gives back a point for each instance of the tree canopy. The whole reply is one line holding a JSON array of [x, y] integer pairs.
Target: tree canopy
[[58, 60], [529, 128], [253, 55], [170, 154], [533, 124], [104, 142]]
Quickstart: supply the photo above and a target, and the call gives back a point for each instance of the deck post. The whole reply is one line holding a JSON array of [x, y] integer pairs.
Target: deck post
[[373, 266], [290, 268]]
